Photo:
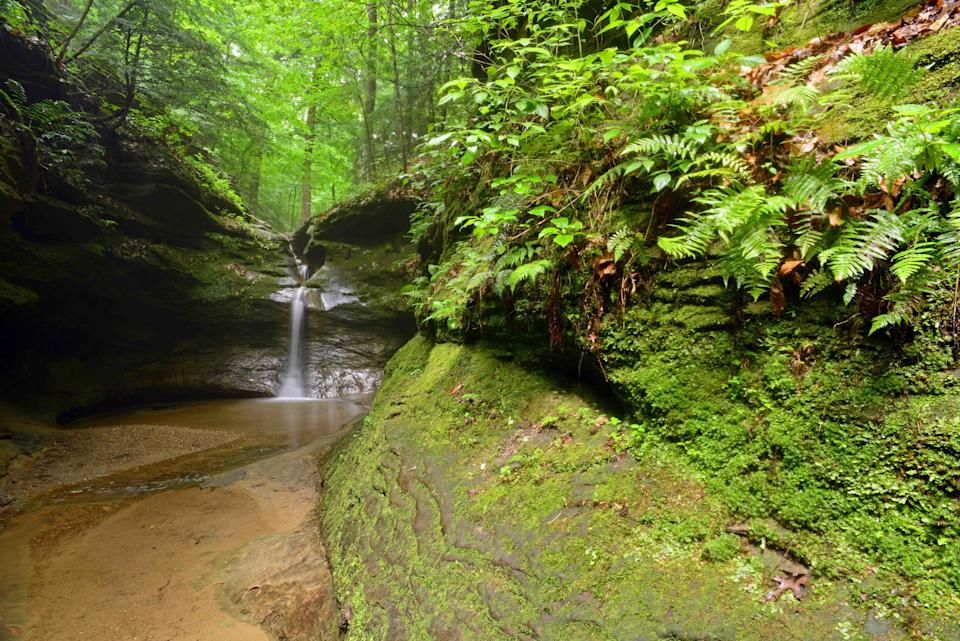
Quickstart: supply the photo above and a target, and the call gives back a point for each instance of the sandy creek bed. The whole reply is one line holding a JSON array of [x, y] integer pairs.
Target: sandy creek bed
[[193, 523]]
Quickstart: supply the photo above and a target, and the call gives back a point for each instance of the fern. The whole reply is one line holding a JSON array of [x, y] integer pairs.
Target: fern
[[905, 303], [717, 164], [816, 282], [14, 95], [727, 211], [620, 242], [797, 72], [861, 244], [672, 146], [908, 262], [528, 271], [812, 186], [896, 156], [849, 293], [807, 237], [885, 73]]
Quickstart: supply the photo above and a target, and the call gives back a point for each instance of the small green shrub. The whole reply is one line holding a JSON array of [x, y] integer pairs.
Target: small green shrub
[[721, 548]]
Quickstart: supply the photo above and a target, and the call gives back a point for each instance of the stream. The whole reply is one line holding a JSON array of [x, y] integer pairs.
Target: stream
[[207, 507]]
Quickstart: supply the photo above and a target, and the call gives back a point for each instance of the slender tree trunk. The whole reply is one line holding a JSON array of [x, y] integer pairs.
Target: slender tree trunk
[[369, 160], [253, 190], [415, 58], [397, 95], [310, 140], [73, 32], [99, 32], [131, 71], [306, 186], [369, 100]]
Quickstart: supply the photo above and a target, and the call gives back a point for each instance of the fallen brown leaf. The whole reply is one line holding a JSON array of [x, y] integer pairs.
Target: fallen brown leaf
[[793, 582], [788, 266]]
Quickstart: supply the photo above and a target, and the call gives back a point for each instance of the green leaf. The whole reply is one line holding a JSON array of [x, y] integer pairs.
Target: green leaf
[[450, 97], [433, 142], [610, 134], [952, 149], [677, 10], [849, 293], [660, 181], [912, 110], [859, 150], [744, 23]]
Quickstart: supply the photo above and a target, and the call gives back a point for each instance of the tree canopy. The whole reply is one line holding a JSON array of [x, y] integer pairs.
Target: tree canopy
[[288, 105]]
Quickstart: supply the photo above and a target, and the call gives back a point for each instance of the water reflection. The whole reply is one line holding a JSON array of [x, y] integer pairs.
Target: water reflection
[[266, 427]]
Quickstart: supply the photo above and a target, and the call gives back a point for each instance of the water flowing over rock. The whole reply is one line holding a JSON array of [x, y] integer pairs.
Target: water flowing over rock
[[292, 385]]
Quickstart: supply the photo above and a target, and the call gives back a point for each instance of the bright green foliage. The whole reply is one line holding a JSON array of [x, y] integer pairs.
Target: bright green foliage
[[230, 86], [661, 123], [547, 99]]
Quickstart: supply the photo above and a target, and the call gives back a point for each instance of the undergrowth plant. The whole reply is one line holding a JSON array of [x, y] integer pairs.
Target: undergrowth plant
[[65, 141], [539, 154]]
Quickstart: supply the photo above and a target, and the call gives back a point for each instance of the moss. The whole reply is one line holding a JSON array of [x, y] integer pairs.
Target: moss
[[801, 22], [938, 55], [721, 548], [850, 445], [482, 498]]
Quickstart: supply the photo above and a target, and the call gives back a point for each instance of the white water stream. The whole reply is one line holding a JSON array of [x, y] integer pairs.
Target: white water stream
[[292, 385]]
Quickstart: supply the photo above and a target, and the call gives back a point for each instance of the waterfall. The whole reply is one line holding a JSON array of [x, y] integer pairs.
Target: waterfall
[[292, 385]]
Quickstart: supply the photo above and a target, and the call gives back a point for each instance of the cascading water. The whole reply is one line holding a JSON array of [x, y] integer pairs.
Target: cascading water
[[292, 385]]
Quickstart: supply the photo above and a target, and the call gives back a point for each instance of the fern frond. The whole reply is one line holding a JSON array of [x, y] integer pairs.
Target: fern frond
[[895, 157], [744, 223], [807, 237], [812, 185], [528, 271], [798, 72], [849, 293], [885, 73], [906, 302], [861, 244], [908, 262], [816, 282], [717, 164], [672, 146], [620, 242], [802, 96]]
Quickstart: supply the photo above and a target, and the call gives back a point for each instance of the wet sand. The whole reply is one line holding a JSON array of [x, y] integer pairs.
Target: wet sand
[[186, 524]]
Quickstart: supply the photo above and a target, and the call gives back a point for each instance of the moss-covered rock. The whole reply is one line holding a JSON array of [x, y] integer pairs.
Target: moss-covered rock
[[482, 501], [852, 445], [938, 83]]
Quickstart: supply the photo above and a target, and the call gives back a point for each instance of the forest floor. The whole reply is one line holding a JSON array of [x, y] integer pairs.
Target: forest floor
[[194, 530]]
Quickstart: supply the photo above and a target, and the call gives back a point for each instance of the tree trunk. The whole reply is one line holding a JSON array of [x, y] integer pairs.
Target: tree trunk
[[306, 185], [253, 189], [369, 100], [310, 139], [99, 32], [73, 32], [369, 160], [397, 95]]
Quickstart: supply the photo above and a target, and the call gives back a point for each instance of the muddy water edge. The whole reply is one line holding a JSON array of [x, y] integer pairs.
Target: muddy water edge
[[189, 522]]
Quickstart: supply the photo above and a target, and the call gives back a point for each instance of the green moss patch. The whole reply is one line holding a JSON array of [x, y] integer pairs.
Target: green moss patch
[[481, 500], [854, 448]]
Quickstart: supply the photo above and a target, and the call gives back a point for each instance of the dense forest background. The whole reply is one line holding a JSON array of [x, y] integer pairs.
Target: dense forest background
[[288, 106]]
